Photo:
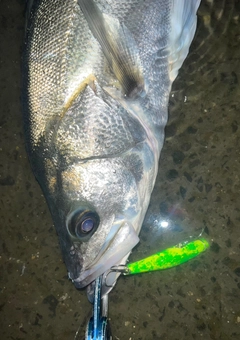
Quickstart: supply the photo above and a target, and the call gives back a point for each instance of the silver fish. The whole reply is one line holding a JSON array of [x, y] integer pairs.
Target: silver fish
[[96, 83]]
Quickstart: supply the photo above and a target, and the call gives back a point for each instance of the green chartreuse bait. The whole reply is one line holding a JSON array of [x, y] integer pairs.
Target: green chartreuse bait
[[167, 258]]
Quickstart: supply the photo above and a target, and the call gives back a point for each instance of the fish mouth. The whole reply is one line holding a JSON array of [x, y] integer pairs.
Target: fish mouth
[[119, 243]]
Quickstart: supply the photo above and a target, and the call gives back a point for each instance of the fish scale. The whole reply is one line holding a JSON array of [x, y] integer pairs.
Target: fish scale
[[83, 130]]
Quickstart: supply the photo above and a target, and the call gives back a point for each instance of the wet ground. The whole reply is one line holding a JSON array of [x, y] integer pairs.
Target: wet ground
[[197, 189]]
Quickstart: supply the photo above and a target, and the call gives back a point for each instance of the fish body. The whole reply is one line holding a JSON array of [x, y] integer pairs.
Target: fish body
[[95, 106]]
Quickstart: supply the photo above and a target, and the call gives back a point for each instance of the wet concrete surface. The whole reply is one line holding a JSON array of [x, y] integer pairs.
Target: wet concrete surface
[[197, 190]]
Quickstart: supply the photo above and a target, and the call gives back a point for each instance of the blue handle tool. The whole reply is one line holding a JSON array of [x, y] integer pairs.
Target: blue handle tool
[[98, 325]]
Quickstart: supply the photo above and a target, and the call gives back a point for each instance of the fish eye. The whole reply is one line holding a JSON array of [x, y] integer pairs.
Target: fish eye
[[87, 225], [83, 224]]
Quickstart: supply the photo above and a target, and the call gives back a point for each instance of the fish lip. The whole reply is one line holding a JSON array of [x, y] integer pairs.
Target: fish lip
[[120, 241], [78, 285]]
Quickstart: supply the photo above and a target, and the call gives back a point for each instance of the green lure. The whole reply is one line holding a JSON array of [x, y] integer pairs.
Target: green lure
[[167, 258]]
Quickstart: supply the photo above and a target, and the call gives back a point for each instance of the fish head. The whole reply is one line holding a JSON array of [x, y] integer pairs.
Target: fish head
[[100, 212], [103, 178]]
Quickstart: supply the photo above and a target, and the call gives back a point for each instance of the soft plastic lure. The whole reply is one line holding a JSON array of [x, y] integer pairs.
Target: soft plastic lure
[[165, 259]]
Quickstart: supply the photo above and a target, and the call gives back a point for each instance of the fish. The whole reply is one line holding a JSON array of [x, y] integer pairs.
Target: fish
[[97, 77]]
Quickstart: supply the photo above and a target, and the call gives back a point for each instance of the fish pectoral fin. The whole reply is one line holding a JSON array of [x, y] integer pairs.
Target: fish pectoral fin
[[89, 81], [118, 46], [183, 23]]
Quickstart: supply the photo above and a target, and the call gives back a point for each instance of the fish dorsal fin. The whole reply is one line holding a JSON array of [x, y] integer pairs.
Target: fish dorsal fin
[[118, 46], [183, 23]]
